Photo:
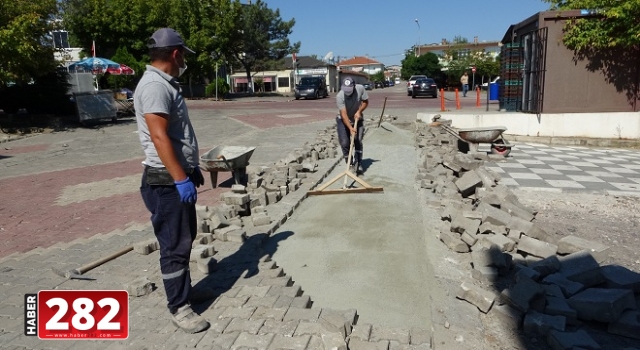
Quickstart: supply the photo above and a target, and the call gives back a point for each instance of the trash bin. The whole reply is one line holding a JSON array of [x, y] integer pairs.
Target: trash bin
[[493, 91]]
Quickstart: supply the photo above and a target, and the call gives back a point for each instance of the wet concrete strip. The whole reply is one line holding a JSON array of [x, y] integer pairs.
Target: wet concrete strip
[[366, 251]]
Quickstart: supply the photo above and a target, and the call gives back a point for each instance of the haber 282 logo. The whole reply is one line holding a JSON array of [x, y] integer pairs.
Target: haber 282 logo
[[77, 314]]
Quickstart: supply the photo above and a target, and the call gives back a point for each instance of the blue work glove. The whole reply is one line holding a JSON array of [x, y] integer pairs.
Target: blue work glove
[[187, 191], [197, 176]]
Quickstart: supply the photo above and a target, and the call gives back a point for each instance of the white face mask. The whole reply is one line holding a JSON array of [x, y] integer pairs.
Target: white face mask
[[182, 69]]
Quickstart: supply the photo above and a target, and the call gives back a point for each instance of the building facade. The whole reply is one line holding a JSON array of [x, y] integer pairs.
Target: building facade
[[284, 79]]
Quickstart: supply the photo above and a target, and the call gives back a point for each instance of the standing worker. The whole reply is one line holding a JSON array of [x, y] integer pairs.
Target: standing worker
[[171, 173], [464, 80], [350, 107]]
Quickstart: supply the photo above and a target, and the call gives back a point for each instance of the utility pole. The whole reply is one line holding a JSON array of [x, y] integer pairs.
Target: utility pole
[[418, 46]]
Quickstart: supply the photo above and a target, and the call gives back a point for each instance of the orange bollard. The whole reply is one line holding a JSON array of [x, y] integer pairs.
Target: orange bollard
[[457, 100], [477, 97], [442, 100]]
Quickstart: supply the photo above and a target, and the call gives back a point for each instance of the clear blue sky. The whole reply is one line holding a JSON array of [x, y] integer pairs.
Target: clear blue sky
[[383, 30]]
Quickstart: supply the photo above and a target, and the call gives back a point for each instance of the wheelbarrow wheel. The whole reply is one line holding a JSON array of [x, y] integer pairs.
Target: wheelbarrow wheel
[[501, 150]]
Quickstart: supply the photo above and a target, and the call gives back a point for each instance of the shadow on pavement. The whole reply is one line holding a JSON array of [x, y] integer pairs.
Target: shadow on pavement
[[242, 264]]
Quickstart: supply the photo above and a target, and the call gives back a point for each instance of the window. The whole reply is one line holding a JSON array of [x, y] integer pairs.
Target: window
[[61, 39], [283, 82]]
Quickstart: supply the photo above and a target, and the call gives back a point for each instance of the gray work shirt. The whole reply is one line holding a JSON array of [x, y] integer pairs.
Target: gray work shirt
[[352, 103], [159, 93]]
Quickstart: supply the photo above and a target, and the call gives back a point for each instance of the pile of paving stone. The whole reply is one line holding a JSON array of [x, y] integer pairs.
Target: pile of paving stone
[[521, 273]]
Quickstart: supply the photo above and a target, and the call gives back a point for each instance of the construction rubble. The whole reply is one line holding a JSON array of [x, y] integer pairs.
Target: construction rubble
[[533, 280]]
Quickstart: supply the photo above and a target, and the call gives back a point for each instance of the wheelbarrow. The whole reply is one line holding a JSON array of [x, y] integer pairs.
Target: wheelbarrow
[[471, 138], [227, 158]]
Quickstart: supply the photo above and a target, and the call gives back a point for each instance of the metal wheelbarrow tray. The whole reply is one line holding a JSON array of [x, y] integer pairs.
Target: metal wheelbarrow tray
[[226, 158], [471, 138]]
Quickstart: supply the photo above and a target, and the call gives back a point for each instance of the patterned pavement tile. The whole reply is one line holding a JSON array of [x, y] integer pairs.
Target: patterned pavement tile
[[552, 168]]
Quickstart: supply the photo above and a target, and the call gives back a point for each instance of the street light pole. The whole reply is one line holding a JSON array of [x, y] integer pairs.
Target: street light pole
[[418, 46]]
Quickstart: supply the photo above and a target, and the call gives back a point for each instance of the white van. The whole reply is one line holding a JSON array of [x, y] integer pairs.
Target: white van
[[397, 82]]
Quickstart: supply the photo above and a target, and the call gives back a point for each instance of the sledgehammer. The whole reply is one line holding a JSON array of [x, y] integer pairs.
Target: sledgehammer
[[78, 273]]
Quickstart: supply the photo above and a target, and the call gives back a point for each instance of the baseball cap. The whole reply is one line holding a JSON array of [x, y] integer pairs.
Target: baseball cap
[[347, 86], [166, 37]]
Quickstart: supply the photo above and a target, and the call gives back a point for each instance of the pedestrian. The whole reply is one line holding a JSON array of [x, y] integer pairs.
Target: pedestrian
[[171, 173], [464, 80], [352, 100]]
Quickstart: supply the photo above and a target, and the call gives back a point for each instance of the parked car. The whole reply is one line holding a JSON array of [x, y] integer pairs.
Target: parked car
[[386, 83], [368, 85], [391, 83], [379, 85], [411, 81], [425, 86], [311, 87], [397, 82]]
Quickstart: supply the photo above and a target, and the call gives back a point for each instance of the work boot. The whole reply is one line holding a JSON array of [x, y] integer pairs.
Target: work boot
[[359, 169], [200, 295], [352, 168], [189, 321]]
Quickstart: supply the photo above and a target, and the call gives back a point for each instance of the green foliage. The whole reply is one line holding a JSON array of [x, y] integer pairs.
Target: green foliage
[[222, 31], [256, 33], [223, 88], [379, 76], [427, 64], [25, 50], [123, 56], [616, 25]]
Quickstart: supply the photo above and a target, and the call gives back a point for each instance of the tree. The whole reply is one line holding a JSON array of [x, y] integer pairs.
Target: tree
[[427, 64], [26, 52], [616, 27], [260, 35]]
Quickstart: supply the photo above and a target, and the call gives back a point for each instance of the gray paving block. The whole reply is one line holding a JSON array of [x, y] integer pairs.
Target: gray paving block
[[301, 314], [536, 247], [237, 312], [488, 256], [568, 287], [310, 328], [361, 331], [357, 344], [504, 243], [521, 293], [265, 301], [620, 277], [139, 287], [462, 224], [603, 305], [333, 341], [547, 266], [581, 267], [493, 215], [243, 325], [535, 322], [281, 342], [559, 306], [387, 333], [571, 340], [628, 325], [252, 341], [286, 328], [262, 312], [303, 301], [573, 244], [468, 182], [336, 321], [452, 241], [477, 296], [394, 345]]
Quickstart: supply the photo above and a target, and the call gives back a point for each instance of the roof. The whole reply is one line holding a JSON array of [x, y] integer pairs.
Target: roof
[[357, 60], [305, 62]]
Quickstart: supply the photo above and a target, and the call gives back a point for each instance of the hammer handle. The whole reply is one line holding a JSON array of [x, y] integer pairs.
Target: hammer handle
[[91, 266]]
